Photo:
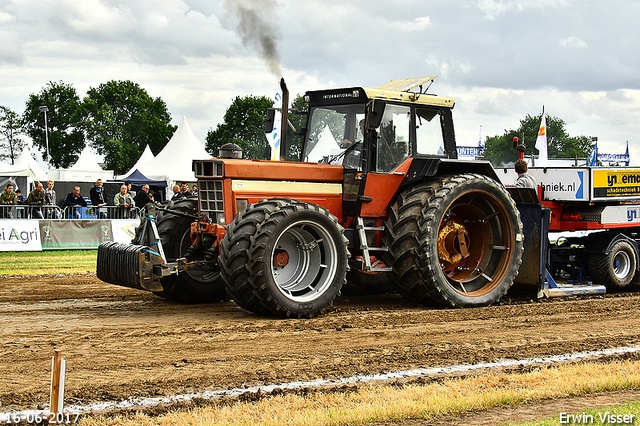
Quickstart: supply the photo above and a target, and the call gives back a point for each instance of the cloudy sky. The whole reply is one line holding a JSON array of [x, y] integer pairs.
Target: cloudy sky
[[500, 59]]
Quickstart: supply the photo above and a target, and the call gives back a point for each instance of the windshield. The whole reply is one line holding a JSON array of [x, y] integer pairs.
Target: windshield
[[332, 129]]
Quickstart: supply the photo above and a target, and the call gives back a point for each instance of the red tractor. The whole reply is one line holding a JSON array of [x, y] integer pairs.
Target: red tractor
[[378, 196]]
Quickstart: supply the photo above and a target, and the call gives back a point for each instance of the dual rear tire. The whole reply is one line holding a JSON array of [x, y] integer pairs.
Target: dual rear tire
[[455, 241]]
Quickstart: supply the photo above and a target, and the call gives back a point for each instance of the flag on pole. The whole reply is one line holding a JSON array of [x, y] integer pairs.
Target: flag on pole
[[274, 137], [480, 140], [593, 156], [626, 154], [480, 144], [541, 143]]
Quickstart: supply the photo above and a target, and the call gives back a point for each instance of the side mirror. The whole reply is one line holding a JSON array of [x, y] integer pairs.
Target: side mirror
[[376, 111], [271, 116]]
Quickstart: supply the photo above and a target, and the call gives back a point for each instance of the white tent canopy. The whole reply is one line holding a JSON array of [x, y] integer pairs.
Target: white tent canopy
[[26, 162], [146, 157], [86, 169], [173, 163]]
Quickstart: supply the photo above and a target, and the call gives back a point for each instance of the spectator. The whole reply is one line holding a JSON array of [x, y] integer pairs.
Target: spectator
[[36, 200], [96, 194], [73, 200], [142, 198], [8, 198], [525, 180], [129, 191], [194, 190], [176, 193], [20, 197], [184, 189], [50, 200], [124, 201]]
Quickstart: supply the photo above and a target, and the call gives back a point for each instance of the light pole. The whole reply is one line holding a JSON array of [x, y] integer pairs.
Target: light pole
[[46, 131]]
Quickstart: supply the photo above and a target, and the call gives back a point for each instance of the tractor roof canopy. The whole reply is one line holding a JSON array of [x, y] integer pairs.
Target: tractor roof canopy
[[394, 91]]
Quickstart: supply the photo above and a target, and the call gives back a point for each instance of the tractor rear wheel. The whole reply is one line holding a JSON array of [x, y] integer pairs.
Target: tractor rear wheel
[[471, 241], [297, 258], [193, 286], [616, 269], [401, 237]]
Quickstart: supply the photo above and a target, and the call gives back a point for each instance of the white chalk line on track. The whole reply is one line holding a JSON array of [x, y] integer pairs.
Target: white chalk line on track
[[211, 395]]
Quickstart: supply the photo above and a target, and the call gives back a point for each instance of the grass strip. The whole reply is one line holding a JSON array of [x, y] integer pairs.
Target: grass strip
[[47, 262], [394, 404]]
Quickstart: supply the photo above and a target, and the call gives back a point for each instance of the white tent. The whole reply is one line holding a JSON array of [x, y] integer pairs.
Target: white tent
[[146, 157], [326, 144], [86, 169], [173, 163], [25, 165]]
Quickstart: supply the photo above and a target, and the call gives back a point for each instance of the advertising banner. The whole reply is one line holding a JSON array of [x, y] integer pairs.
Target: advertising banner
[[610, 183], [124, 230], [20, 235], [74, 234]]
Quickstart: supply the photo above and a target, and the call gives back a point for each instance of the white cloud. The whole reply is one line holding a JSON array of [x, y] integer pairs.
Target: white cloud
[[494, 8], [11, 48], [419, 24], [5, 18], [573, 42]]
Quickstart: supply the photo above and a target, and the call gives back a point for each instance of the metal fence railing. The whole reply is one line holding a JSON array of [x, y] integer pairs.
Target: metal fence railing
[[69, 212]]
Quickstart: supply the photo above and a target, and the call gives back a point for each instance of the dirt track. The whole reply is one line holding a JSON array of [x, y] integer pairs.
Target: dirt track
[[120, 342]]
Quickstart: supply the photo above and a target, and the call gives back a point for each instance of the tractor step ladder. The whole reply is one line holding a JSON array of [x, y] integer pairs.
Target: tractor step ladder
[[364, 246]]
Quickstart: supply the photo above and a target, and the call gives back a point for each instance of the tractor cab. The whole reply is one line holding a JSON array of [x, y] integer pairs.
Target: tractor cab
[[377, 130]]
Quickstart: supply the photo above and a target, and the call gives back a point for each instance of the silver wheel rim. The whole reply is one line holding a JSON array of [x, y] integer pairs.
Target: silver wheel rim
[[621, 265], [312, 261]]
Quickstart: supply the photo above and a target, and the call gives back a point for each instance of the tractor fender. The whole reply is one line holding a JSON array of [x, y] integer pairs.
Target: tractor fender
[[426, 167]]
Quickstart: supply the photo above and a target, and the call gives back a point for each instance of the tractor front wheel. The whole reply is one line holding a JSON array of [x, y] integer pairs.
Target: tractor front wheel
[[194, 286], [297, 259]]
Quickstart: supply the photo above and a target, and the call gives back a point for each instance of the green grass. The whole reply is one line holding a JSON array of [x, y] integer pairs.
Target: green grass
[[48, 262], [617, 413]]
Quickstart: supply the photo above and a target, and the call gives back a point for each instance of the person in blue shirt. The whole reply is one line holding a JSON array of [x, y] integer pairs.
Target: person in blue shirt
[[73, 201]]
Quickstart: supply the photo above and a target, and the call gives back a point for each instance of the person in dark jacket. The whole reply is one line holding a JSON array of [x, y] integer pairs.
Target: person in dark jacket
[[36, 200], [96, 194], [142, 198], [73, 201]]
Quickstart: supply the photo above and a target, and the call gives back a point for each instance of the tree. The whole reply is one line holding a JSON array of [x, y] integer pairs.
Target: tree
[[499, 149], [10, 128], [243, 125], [298, 118], [120, 119], [66, 138]]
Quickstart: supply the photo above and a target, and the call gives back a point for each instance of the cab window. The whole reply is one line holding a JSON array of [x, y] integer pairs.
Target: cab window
[[393, 145], [429, 139]]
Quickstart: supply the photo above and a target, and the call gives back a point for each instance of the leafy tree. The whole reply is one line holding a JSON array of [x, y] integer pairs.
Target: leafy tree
[[10, 128], [243, 125], [66, 138], [120, 119], [499, 149], [298, 118]]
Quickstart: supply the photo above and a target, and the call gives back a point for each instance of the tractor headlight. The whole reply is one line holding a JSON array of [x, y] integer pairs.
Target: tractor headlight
[[220, 218]]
